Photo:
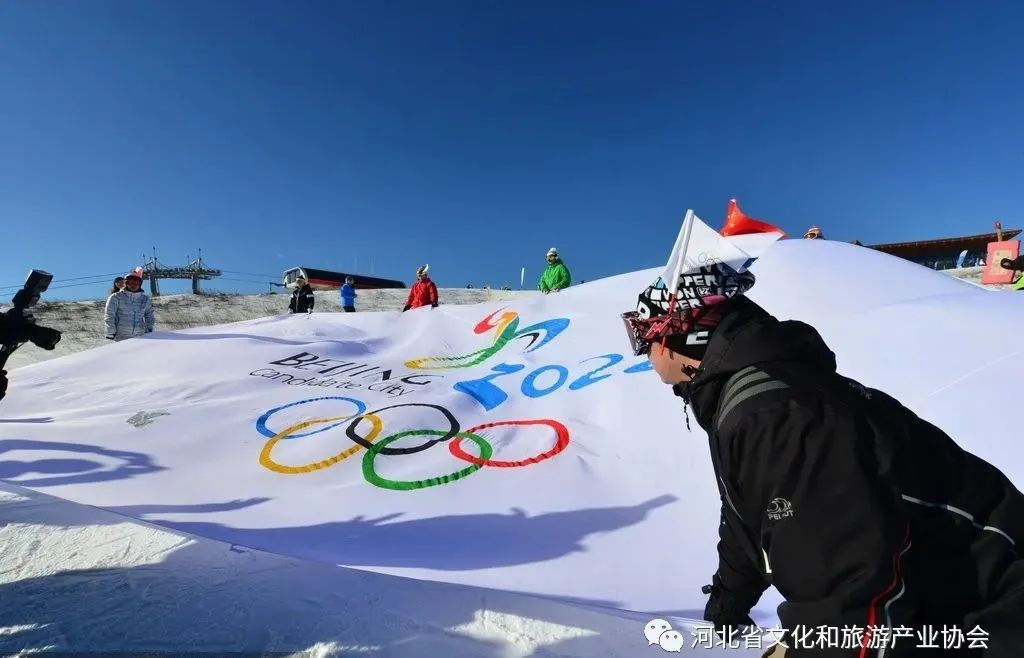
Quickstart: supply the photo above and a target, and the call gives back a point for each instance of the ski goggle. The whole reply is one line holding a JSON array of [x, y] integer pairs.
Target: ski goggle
[[635, 329], [644, 332]]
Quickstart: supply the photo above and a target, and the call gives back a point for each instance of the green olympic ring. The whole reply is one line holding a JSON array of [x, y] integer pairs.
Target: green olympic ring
[[407, 485]]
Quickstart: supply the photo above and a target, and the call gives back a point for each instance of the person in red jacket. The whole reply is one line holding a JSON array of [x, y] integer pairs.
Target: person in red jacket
[[423, 292]]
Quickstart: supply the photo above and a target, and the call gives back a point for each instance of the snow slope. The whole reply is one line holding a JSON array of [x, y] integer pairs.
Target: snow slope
[[79, 579], [81, 322], [76, 578], [866, 306]]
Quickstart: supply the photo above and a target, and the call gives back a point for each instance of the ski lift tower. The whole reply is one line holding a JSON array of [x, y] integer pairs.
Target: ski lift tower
[[194, 270]]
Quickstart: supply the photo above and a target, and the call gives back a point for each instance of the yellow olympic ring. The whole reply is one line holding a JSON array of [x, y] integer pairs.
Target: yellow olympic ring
[[270, 464]]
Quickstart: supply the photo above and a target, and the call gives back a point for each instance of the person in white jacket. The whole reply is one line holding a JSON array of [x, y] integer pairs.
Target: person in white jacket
[[129, 313]]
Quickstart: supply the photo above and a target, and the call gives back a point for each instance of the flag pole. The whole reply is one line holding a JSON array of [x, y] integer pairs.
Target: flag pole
[[673, 286]]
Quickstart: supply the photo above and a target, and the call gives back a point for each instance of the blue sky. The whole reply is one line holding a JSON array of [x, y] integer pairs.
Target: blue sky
[[475, 135]]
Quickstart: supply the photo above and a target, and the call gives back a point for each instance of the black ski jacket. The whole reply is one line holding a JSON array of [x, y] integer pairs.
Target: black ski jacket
[[302, 300], [860, 513]]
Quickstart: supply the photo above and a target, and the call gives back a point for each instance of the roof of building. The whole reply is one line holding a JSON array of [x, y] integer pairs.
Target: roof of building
[[330, 278], [979, 241]]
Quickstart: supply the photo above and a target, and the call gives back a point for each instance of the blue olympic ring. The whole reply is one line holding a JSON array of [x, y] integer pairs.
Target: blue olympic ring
[[261, 423]]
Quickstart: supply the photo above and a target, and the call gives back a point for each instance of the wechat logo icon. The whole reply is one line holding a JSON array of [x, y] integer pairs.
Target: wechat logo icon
[[660, 632]]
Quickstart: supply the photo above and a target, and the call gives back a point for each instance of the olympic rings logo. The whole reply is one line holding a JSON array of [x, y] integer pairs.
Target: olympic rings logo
[[454, 436]]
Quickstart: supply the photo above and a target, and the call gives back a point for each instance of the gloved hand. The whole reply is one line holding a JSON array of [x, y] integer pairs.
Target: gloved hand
[[725, 610], [405, 309], [110, 336], [3, 384]]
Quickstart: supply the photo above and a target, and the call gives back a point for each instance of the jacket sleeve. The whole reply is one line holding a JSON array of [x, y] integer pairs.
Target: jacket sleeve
[[110, 315], [150, 315], [833, 535], [562, 277], [433, 294], [738, 583]]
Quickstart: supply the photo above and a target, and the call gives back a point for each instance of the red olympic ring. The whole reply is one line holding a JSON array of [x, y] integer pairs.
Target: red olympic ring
[[455, 445]]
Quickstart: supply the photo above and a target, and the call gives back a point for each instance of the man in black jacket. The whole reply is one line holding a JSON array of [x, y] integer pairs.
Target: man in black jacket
[[302, 300], [861, 514]]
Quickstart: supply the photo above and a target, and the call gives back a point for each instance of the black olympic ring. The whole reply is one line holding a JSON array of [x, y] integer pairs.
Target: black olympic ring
[[350, 431]]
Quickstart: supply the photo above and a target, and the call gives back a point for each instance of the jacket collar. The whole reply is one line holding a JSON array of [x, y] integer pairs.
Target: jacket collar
[[749, 335]]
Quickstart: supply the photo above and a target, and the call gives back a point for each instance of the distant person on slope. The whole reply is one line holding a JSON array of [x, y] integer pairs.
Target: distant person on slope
[[348, 295], [118, 285], [129, 312], [556, 276], [423, 292], [302, 297], [814, 233], [859, 512]]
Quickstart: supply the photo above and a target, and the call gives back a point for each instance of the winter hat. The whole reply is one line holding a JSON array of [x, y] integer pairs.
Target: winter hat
[[136, 273], [685, 304], [686, 320], [553, 252], [422, 270]]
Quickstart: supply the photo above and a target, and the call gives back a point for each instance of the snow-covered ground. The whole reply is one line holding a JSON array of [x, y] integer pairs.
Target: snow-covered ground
[[81, 322], [973, 275], [78, 579]]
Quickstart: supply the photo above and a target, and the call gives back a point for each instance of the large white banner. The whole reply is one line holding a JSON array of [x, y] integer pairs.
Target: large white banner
[[516, 446]]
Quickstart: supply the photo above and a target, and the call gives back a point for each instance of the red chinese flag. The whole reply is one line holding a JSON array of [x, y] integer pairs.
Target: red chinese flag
[[738, 223]]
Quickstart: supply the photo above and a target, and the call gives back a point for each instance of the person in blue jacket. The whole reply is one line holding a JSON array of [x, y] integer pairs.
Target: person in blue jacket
[[348, 295]]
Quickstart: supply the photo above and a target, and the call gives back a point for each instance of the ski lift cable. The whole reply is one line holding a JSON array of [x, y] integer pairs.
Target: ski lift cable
[[75, 285], [78, 278]]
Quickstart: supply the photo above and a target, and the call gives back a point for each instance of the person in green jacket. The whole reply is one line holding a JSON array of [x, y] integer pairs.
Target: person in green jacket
[[556, 276]]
